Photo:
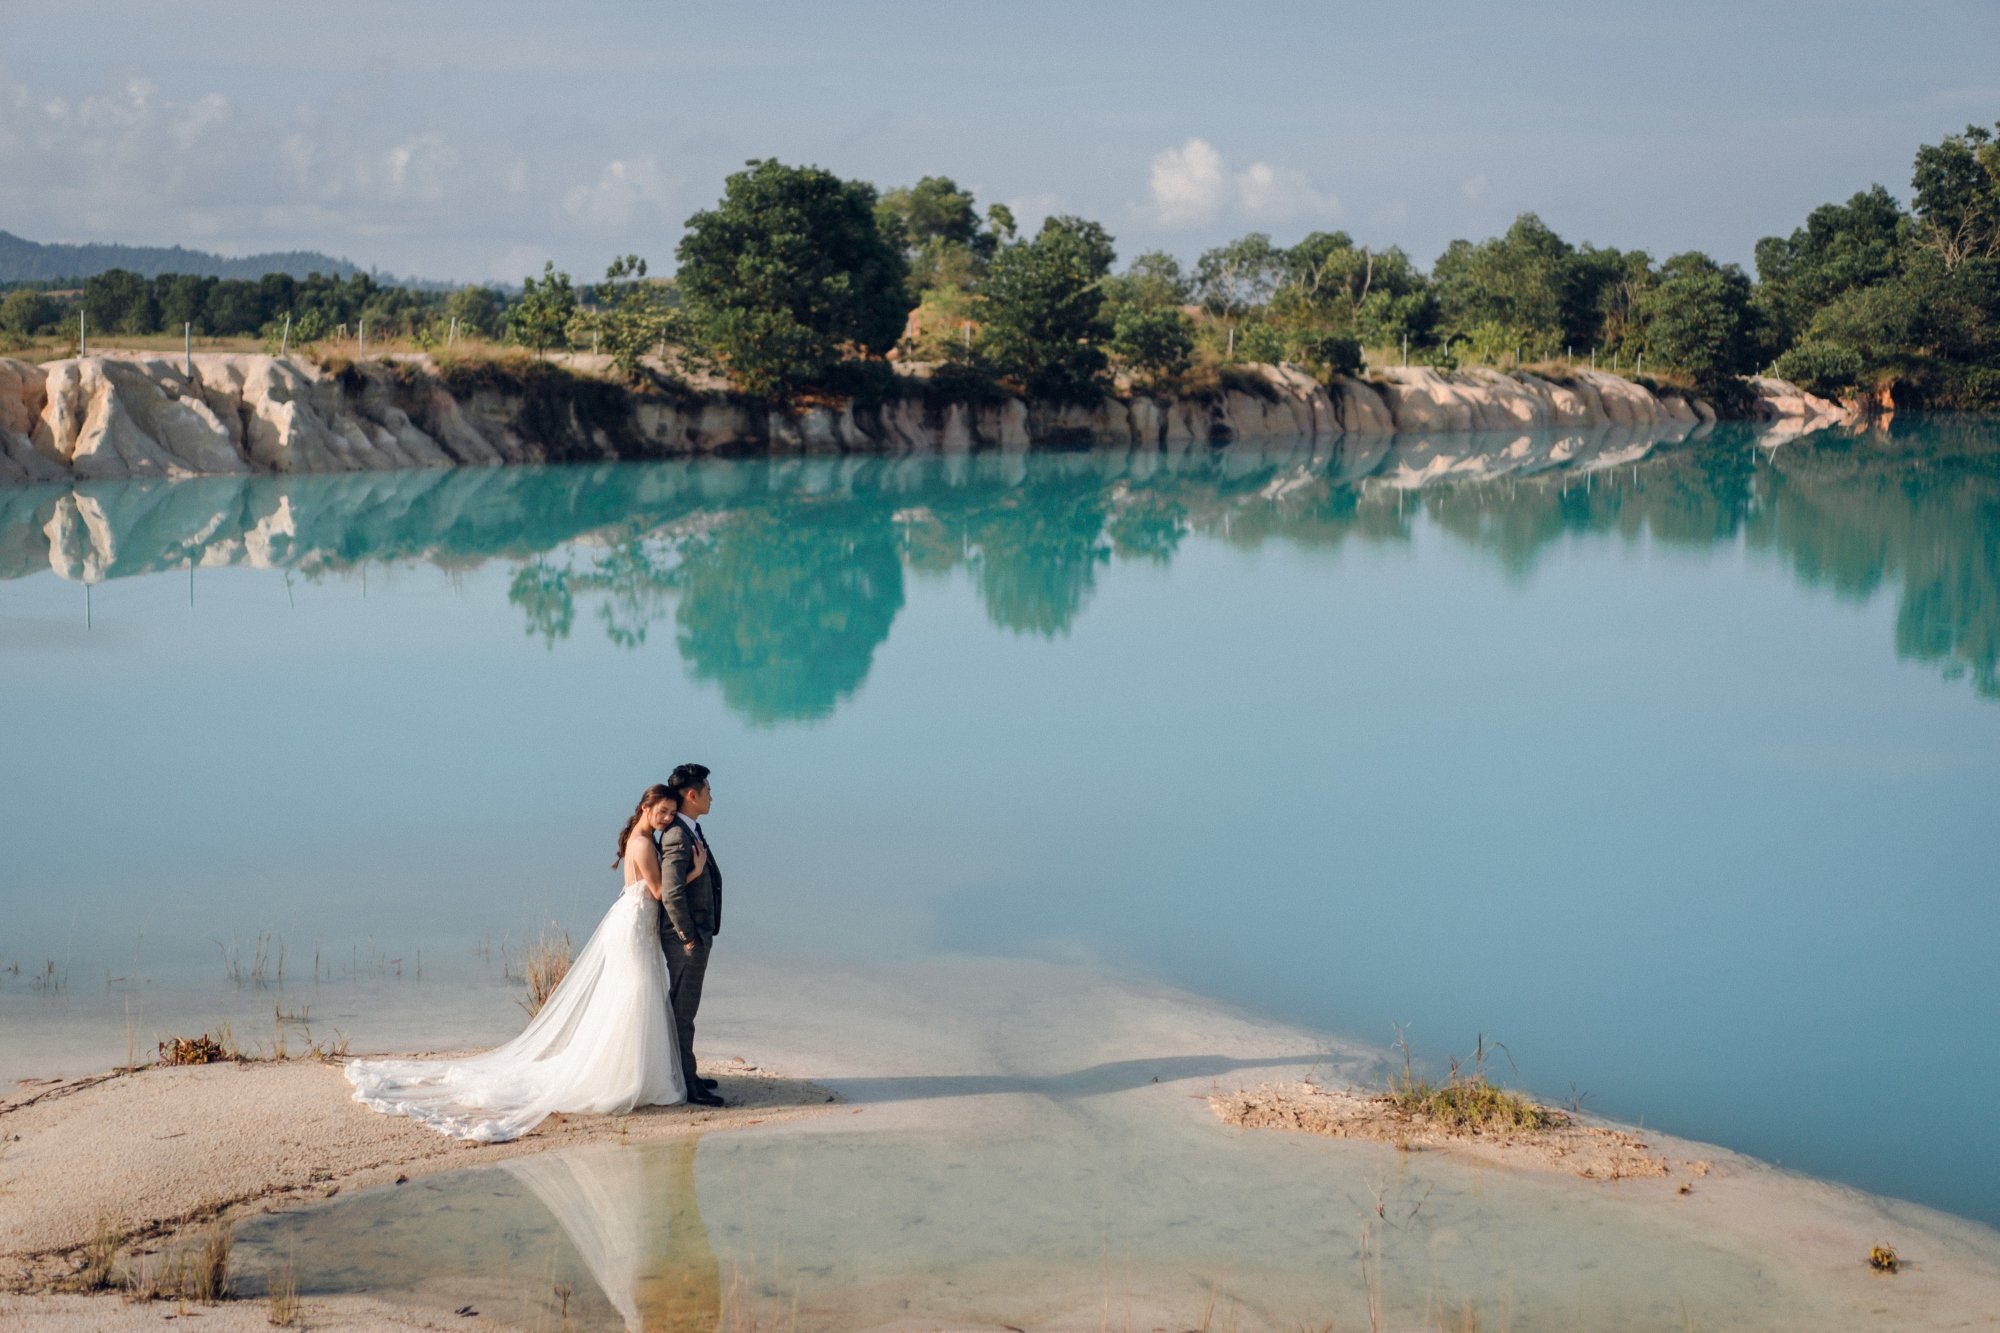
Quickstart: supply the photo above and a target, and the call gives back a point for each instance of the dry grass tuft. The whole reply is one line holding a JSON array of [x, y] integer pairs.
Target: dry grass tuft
[[202, 1050], [208, 1266], [284, 1297], [93, 1271], [196, 1273], [546, 964]]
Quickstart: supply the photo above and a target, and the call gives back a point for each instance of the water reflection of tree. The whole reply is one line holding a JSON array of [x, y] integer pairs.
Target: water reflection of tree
[[785, 598], [1039, 549], [784, 605], [1920, 504], [782, 580]]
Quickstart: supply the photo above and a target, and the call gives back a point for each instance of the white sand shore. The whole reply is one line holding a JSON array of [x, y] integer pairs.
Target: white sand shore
[[1021, 1144]]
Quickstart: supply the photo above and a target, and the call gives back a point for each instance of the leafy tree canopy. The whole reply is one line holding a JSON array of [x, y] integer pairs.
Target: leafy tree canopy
[[1042, 309], [1701, 321], [541, 318], [789, 274], [1957, 196]]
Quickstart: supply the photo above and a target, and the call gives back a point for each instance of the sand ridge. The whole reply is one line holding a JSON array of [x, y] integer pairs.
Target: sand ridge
[[1594, 1152]]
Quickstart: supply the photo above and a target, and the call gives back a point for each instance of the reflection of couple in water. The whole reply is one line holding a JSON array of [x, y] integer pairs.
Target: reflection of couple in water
[[632, 1215], [617, 1032]]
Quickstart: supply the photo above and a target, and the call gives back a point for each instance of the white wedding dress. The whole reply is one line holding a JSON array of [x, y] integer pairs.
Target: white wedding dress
[[602, 1042]]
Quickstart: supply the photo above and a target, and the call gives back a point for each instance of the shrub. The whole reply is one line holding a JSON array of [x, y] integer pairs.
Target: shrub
[[1328, 354], [1825, 368]]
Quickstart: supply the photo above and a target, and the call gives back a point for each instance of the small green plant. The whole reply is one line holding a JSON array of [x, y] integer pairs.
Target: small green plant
[[1466, 1099]]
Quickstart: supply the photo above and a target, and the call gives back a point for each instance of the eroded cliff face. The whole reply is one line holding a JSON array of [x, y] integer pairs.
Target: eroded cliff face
[[118, 416]]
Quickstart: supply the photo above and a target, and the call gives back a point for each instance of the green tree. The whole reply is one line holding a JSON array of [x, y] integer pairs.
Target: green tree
[[478, 310], [1509, 289], [1957, 196], [789, 274], [1841, 248], [182, 299], [120, 301], [1333, 287], [1701, 322], [541, 318], [936, 225], [631, 317], [25, 311], [1235, 279], [1153, 281], [1156, 342], [1042, 310], [237, 306]]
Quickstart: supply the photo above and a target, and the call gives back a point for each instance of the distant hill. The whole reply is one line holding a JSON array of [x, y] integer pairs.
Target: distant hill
[[31, 261]]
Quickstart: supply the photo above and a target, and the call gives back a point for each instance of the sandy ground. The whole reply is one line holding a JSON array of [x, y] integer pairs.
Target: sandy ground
[[1595, 1152], [148, 1154], [1055, 1131]]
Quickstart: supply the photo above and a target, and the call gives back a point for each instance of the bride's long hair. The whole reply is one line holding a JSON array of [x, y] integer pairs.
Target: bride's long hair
[[654, 795]]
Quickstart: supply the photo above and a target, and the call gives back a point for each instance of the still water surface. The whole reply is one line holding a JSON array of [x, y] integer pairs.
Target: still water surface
[[1671, 765]]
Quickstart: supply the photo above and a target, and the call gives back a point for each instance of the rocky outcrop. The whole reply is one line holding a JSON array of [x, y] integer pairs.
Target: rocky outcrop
[[116, 416]]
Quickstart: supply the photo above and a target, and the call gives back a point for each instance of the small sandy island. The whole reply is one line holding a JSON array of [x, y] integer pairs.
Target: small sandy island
[[148, 1156], [1563, 1143]]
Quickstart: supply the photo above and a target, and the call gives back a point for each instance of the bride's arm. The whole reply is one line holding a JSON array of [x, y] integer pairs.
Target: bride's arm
[[646, 860]]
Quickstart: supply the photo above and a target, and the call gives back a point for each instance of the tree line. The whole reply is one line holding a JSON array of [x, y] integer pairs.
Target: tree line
[[798, 283]]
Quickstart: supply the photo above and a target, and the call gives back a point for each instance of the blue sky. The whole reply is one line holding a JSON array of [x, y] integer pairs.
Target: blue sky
[[472, 141]]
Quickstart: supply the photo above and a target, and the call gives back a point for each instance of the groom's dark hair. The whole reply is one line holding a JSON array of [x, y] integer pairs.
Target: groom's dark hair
[[687, 777]]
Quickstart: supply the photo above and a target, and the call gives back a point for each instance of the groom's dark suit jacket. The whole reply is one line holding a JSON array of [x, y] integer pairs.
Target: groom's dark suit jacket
[[692, 908]]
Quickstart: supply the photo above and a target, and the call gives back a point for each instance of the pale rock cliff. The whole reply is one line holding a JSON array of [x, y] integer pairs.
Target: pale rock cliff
[[120, 415]]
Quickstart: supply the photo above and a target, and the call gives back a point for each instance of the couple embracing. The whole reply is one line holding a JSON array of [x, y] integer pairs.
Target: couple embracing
[[617, 1032]]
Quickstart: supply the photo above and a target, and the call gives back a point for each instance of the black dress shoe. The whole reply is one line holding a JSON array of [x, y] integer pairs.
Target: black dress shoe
[[706, 1084], [703, 1097]]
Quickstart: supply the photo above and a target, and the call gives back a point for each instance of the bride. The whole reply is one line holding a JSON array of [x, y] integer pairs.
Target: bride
[[603, 1041]]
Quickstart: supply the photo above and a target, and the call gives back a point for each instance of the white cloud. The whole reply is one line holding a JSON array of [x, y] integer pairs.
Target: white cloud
[[360, 173], [1266, 194], [1189, 184], [1192, 186], [627, 190]]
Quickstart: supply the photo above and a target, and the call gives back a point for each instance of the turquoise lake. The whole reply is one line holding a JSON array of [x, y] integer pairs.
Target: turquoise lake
[[1672, 765]]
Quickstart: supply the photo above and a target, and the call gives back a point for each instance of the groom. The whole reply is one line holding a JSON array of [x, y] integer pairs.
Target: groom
[[691, 917]]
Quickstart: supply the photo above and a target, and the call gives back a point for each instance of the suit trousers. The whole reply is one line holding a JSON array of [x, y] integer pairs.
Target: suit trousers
[[686, 969]]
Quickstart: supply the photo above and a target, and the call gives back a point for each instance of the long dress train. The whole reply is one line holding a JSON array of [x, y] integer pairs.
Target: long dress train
[[602, 1042]]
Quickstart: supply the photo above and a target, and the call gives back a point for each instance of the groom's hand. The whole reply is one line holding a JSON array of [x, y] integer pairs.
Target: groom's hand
[[689, 946]]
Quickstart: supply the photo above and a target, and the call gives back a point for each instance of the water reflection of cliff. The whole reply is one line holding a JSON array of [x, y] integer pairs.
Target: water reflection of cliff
[[781, 577]]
